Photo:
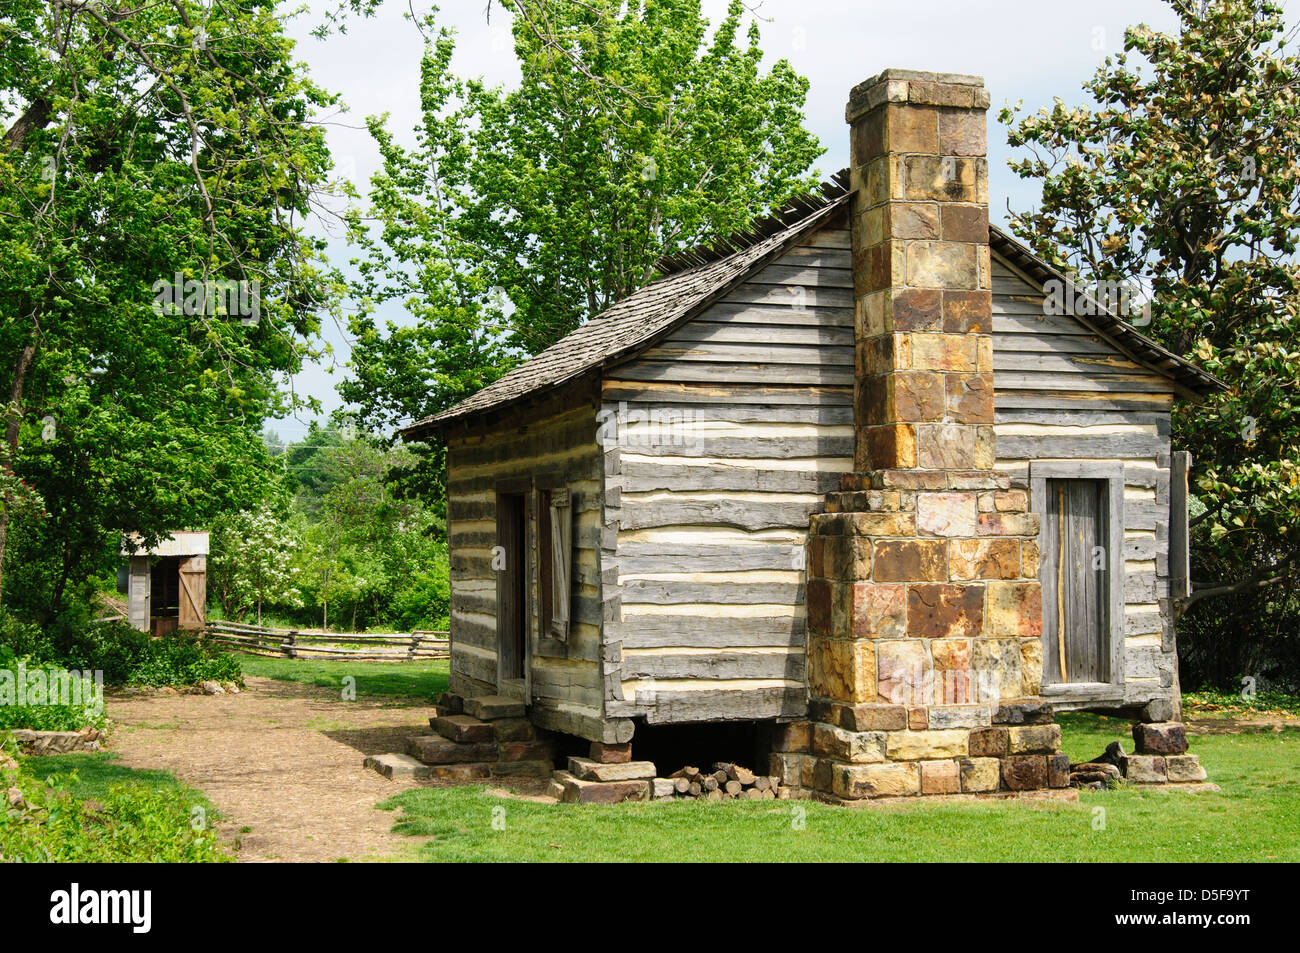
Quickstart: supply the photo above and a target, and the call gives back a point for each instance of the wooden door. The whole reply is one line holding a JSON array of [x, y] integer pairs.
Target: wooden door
[[192, 609], [1076, 560], [512, 613]]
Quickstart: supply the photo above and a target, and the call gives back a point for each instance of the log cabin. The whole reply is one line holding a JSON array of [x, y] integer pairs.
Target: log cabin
[[858, 470]]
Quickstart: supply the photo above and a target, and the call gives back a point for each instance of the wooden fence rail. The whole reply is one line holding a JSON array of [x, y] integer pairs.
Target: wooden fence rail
[[352, 646]]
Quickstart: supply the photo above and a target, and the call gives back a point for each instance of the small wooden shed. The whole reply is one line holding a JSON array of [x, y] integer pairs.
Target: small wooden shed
[[166, 584]]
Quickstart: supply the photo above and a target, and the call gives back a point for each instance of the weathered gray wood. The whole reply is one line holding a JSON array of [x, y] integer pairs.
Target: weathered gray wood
[[675, 592], [680, 557], [1006, 398], [660, 631], [744, 448], [716, 665], [792, 311], [735, 332], [718, 353], [804, 275], [716, 393], [812, 296], [738, 513], [1105, 447], [1180, 586], [736, 705], [644, 477], [1134, 383], [734, 373]]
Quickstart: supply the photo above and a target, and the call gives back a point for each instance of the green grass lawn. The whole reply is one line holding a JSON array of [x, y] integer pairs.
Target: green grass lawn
[[97, 773], [423, 680], [1256, 818]]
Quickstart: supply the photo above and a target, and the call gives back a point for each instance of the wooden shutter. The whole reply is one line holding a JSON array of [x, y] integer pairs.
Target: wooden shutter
[[1180, 584], [561, 561]]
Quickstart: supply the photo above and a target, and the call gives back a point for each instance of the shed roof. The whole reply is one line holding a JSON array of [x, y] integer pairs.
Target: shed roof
[[695, 279], [182, 543]]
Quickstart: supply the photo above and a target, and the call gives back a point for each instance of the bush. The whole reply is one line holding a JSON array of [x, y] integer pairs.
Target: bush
[[125, 655], [48, 713], [129, 824]]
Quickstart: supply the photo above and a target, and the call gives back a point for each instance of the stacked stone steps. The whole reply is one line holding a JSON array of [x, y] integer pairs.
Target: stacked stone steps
[[609, 776], [473, 739]]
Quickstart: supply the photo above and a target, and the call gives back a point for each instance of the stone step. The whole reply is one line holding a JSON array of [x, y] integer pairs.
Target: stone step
[[525, 751], [516, 729], [585, 769], [398, 767], [575, 791], [492, 707], [435, 749], [462, 729]]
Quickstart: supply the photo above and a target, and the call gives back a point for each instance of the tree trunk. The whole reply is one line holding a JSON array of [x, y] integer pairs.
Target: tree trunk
[[13, 421]]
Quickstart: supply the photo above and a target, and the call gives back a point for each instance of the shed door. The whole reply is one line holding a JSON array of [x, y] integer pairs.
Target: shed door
[[1075, 603], [193, 592]]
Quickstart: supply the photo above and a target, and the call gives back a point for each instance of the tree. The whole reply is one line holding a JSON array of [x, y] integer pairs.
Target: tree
[[1183, 177], [519, 214], [253, 562], [155, 166]]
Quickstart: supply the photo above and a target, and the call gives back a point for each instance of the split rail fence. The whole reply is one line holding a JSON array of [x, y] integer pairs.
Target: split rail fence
[[351, 646]]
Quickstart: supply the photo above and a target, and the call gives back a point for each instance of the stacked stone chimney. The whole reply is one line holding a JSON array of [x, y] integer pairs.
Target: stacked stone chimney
[[923, 606]]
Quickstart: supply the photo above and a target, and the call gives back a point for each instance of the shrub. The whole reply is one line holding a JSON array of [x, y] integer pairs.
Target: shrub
[[129, 824], [125, 655], [50, 712]]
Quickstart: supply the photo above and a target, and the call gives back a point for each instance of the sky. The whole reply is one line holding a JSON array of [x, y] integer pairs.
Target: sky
[[1026, 51]]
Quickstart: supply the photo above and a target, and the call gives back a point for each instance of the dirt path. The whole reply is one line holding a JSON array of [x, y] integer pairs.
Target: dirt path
[[281, 759]]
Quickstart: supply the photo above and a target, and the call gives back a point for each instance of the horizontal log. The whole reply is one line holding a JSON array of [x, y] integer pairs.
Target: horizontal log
[[677, 592], [738, 513], [716, 392], [696, 631], [786, 665], [1102, 447], [733, 373], [734, 705], [646, 477], [683, 557]]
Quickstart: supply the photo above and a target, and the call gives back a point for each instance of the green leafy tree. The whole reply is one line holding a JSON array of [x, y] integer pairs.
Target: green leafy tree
[[520, 213], [1182, 175], [253, 563], [140, 143]]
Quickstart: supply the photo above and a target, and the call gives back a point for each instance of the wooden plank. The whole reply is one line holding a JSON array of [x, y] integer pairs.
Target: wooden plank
[[1006, 398], [679, 592], [690, 557], [1081, 418], [733, 373], [706, 351], [1103, 447], [737, 513], [1180, 585], [806, 276], [743, 448], [716, 665], [792, 311], [736, 705], [644, 477], [718, 393], [698, 631], [810, 297], [1097, 383], [734, 332]]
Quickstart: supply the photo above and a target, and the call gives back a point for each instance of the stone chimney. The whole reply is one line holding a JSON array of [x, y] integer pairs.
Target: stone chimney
[[923, 606]]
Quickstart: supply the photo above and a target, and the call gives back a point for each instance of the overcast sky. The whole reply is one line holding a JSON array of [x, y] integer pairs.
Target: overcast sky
[[1030, 51]]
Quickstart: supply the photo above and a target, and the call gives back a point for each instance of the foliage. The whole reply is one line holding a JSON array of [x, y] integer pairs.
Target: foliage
[[252, 562], [1182, 178], [125, 655], [1231, 704], [50, 714], [137, 144], [129, 823], [520, 213]]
